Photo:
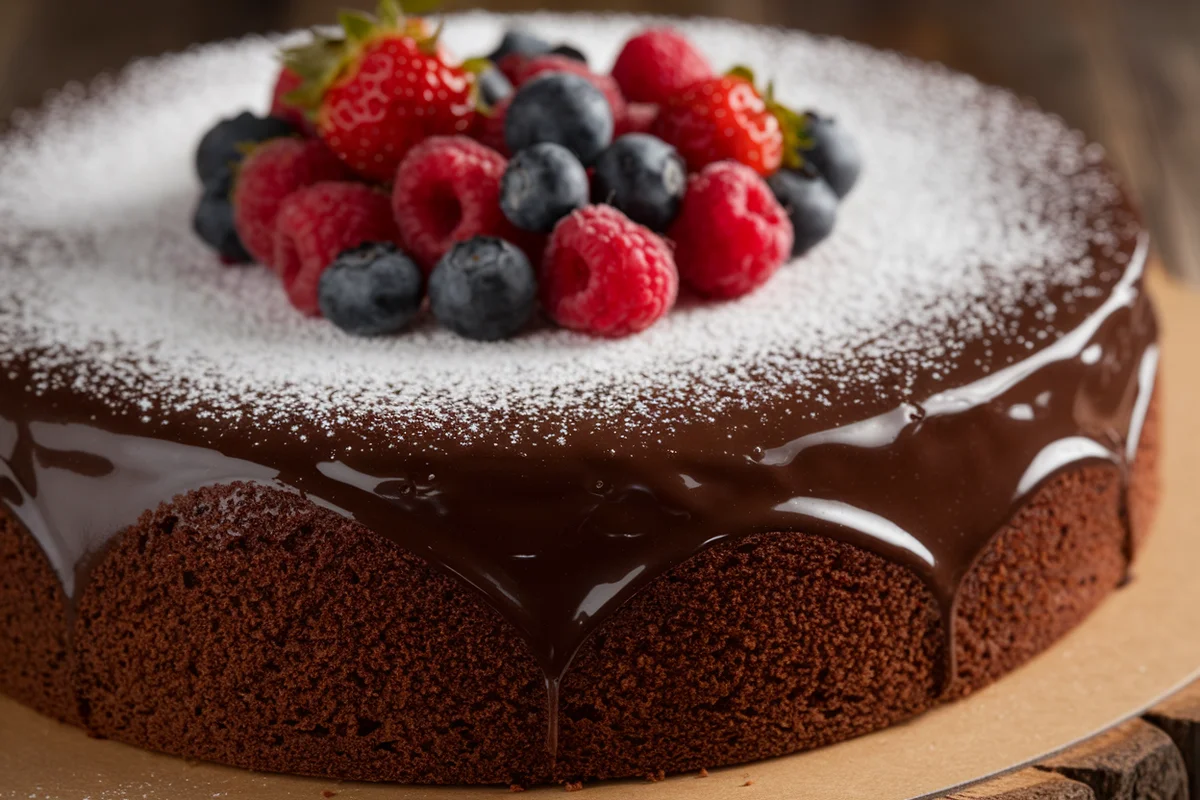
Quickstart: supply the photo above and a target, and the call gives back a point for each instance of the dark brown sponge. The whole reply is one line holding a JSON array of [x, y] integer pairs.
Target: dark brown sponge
[[245, 625], [34, 663]]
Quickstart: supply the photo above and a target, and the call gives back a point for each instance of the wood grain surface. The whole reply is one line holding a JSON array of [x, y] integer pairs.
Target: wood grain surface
[[1127, 72]]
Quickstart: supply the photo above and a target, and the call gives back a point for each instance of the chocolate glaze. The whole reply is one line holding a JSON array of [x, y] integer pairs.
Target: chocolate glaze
[[557, 542]]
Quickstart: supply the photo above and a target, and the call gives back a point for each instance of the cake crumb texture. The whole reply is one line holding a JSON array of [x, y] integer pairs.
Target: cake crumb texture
[[244, 625]]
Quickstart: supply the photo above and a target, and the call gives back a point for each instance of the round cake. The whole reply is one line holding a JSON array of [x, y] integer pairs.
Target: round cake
[[232, 532]]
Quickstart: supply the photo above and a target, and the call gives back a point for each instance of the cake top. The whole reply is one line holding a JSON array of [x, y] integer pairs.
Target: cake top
[[974, 238]]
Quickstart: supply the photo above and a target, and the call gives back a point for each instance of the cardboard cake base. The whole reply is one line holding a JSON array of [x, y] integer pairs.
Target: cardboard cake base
[[1140, 646]]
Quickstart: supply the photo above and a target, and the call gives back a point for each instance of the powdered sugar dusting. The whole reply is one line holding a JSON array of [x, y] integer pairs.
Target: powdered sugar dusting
[[973, 211]]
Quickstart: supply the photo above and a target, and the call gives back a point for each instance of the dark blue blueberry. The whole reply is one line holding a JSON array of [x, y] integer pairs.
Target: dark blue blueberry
[[494, 86], [483, 289], [810, 203], [213, 221], [543, 184], [371, 290], [644, 177], [567, 51], [522, 43], [219, 149], [562, 109], [834, 153]]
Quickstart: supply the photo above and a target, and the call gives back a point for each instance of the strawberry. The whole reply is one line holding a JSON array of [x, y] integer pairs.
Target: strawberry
[[289, 81], [382, 90], [728, 119]]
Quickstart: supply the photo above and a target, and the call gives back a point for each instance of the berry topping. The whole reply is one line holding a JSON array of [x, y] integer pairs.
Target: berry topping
[[658, 64], [283, 108], [722, 119], [638, 118], [521, 43], [563, 109], [268, 175], [213, 221], [447, 191], [810, 203], [543, 184], [483, 289], [732, 234], [606, 275], [571, 52], [643, 177], [371, 290], [384, 89], [494, 86], [489, 126], [225, 144], [319, 222], [535, 68], [833, 151]]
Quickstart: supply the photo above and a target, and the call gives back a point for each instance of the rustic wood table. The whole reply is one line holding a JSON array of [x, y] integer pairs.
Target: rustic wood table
[[1126, 72]]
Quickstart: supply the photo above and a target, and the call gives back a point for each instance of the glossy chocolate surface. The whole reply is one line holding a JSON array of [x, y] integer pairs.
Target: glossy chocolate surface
[[556, 543]]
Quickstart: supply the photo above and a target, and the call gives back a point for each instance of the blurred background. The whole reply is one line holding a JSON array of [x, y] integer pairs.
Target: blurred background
[[1127, 72]]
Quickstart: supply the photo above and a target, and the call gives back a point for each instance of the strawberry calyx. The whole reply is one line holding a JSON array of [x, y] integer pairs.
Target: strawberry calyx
[[795, 125], [324, 60], [476, 67]]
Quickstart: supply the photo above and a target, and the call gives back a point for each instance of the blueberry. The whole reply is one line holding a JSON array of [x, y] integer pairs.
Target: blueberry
[[543, 184], [561, 108], [213, 221], [219, 149], [810, 203], [494, 86], [567, 51], [522, 43], [371, 290], [834, 153], [644, 177], [483, 289]]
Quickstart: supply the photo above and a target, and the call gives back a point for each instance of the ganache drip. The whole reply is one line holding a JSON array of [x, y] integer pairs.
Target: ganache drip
[[558, 545]]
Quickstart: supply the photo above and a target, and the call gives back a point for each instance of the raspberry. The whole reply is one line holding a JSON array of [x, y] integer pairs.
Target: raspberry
[[657, 64], [638, 118], [731, 234], [606, 275], [529, 69], [448, 191], [317, 224], [267, 177], [288, 82]]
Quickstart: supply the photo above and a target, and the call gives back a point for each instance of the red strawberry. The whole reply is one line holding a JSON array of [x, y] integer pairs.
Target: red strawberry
[[447, 191], [318, 223], [657, 64], [533, 67], [386, 88], [271, 173], [722, 119], [289, 81]]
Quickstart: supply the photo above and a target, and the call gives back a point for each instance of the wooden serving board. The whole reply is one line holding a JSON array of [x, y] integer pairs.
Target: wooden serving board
[[1139, 647]]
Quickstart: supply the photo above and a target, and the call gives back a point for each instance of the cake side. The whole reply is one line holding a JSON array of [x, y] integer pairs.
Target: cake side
[[246, 626]]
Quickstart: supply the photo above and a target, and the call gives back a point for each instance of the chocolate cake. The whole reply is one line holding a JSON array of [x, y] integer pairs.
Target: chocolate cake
[[233, 533]]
